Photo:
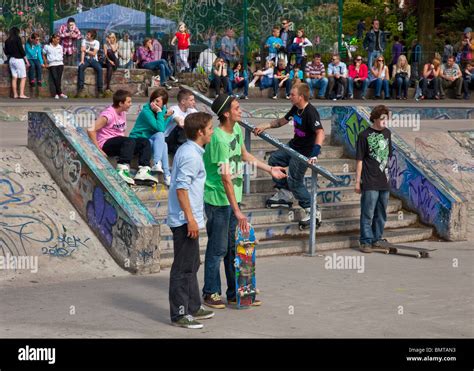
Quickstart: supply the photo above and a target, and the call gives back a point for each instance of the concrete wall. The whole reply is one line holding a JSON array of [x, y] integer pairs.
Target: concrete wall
[[416, 183], [136, 81], [111, 209]]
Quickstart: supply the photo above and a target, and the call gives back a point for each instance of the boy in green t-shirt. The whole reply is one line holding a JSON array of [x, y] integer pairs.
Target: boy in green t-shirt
[[223, 160]]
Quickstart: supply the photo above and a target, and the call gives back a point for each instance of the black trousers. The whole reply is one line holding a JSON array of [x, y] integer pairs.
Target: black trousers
[[220, 81], [175, 139], [126, 147], [184, 295], [110, 68], [334, 89], [56, 73]]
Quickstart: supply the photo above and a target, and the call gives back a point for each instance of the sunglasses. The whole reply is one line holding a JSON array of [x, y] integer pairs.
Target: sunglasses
[[380, 60], [358, 59], [284, 24]]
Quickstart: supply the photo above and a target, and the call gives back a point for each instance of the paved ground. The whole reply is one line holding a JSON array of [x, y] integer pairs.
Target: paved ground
[[393, 297]]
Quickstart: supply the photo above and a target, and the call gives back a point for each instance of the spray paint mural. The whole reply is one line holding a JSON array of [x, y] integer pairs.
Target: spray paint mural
[[420, 188], [88, 180]]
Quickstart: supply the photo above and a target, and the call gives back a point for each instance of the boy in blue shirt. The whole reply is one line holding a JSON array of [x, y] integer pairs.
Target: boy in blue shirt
[[35, 57], [274, 43], [185, 218]]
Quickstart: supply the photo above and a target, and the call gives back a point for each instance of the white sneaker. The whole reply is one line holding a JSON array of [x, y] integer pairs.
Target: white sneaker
[[64, 96], [274, 97], [123, 171], [167, 180], [143, 173], [174, 79], [157, 167], [252, 85], [56, 96]]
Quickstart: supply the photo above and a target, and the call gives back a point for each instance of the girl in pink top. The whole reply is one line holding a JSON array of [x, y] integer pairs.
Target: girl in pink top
[[358, 74], [184, 40]]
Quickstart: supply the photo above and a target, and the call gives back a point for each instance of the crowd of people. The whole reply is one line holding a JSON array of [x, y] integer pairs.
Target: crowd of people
[[286, 63]]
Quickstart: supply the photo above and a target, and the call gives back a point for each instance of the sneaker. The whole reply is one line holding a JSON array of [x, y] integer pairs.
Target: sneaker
[[367, 248], [144, 173], [363, 97], [187, 321], [351, 96], [214, 301], [274, 97], [252, 85], [157, 167], [167, 180], [244, 97], [282, 198], [256, 303], [168, 87], [108, 93], [64, 96], [236, 96], [124, 171], [287, 97], [81, 93], [380, 243], [203, 313], [56, 96], [174, 79]]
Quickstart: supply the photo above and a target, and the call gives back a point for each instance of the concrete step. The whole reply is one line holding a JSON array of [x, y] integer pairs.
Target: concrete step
[[329, 211], [278, 230], [323, 243], [328, 152], [337, 165], [258, 144], [265, 183]]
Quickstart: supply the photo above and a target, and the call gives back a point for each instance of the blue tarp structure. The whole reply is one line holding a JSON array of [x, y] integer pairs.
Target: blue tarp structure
[[116, 18]]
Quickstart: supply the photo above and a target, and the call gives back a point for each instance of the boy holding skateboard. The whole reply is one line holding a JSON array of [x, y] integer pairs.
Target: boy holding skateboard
[[223, 193], [308, 139], [185, 218], [374, 148]]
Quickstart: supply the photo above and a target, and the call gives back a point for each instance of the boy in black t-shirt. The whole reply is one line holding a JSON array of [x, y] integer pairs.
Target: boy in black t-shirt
[[308, 138], [374, 148]]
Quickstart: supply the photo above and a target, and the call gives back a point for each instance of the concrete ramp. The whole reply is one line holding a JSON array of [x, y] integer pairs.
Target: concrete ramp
[[43, 239]]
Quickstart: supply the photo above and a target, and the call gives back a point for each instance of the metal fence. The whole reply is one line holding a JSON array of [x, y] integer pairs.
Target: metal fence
[[208, 21]]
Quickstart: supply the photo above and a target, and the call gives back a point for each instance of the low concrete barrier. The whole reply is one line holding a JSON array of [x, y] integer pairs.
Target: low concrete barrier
[[416, 183], [111, 209]]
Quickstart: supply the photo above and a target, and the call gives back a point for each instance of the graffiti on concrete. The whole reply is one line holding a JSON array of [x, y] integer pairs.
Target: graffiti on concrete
[[101, 215], [66, 245], [13, 193]]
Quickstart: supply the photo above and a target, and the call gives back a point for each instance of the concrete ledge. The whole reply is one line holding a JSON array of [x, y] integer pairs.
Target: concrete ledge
[[136, 81], [416, 183], [112, 210]]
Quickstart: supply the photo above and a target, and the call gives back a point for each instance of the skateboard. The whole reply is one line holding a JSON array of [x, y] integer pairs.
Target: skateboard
[[145, 183], [245, 256], [305, 225], [417, 252]]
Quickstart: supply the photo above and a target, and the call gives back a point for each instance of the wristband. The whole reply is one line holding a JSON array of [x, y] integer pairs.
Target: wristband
[[316, 150]]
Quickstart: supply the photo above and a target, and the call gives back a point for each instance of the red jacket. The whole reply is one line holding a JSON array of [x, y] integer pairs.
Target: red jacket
[[363, 71]]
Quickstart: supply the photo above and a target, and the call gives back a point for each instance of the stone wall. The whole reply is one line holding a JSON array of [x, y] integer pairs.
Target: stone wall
[[136, 81]]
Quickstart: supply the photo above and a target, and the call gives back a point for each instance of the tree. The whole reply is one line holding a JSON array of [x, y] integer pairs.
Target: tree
[[426, 27]]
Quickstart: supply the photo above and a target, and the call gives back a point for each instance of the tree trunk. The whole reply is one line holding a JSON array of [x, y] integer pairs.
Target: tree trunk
[[426, 28]]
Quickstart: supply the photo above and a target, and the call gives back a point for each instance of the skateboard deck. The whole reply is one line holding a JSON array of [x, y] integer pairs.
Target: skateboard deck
[[245, 256], [417, 252]]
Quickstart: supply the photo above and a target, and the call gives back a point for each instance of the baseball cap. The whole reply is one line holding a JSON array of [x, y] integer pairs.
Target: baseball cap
[[467, 29], [221, 104]]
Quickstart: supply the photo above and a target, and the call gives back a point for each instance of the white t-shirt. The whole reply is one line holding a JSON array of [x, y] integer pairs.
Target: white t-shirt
[[90, 45], [177, 113], [54, 54], [268, 72]]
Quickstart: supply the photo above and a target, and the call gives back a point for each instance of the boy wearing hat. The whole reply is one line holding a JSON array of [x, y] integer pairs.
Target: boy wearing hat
[[223, 160], [69, 34]]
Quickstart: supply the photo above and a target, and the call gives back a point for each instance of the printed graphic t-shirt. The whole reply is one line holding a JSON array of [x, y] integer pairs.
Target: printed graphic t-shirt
[[115, 127], [374, 149], [305, 123], [223, 148]]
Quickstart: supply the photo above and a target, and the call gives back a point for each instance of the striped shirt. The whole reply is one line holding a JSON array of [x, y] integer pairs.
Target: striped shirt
[[313, 69]]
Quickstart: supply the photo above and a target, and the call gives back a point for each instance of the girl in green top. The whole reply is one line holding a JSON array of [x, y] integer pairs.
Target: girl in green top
[[151, 124]]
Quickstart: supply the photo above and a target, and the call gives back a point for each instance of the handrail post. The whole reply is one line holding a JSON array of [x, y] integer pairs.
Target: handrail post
[[247, 167], [314, 201]]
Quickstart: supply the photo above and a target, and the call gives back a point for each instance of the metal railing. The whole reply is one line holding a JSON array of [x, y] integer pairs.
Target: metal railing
[[315, 169]]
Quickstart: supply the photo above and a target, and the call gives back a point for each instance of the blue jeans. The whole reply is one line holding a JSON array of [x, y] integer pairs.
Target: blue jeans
[[221, 225], [373, 215], [379, 84], [127, 65], [162, 65], [373, 55], [267, 82], [320, 84], [242, 84], [90, 62], [35, 67], [295, 181], [350, 89], [160, 151], [402, 83]]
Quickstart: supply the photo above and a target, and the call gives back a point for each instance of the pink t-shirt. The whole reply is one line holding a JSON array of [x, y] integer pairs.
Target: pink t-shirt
[[115, 127]]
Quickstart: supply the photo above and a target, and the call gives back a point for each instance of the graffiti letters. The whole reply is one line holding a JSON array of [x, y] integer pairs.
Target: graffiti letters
[[101, 215]]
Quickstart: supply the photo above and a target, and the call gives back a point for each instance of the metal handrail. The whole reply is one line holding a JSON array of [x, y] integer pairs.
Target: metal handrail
[[316, 169]]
